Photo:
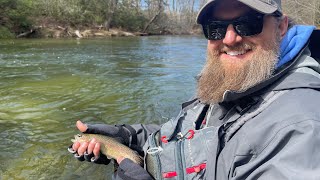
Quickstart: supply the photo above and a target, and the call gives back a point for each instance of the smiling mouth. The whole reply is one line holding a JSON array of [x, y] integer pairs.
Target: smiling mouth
[[236, 53]]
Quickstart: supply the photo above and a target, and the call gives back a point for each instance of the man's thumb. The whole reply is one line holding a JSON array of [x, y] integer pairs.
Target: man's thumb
[[81, 126]]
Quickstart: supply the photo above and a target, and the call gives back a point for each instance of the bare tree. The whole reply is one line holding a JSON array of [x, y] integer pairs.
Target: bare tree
[[159, 9]]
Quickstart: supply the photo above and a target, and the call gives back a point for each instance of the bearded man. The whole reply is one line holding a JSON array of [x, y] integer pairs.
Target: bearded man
[[255, 115]]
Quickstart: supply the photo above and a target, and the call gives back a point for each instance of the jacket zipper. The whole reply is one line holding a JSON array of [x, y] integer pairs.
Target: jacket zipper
[[180, 160]]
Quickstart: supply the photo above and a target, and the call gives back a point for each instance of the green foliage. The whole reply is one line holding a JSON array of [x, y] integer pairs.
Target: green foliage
[[19, 22], [131, 20], [14, 16], [94, 11], [73, 12], [5, 33], [7, 4]]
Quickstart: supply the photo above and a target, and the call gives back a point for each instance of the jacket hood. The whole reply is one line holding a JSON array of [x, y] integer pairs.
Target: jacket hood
[[300, 71], [293, 42]]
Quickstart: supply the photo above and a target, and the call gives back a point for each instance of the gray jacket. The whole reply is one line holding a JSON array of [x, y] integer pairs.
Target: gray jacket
[[270, 131]]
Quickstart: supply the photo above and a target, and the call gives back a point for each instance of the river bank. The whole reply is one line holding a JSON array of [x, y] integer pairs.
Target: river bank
[[58, 31]]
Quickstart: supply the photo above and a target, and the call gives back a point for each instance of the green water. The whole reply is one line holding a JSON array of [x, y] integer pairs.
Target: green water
[[46, 85]]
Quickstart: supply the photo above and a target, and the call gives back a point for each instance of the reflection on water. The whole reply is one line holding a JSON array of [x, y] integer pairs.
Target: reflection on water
[[46, 85]]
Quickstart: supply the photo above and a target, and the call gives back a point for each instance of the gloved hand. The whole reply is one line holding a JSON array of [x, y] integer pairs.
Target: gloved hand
[[86, 151], [128, 170]]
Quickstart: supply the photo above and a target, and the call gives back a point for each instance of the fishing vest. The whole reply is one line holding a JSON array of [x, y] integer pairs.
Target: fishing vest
[[174, 151], [182, 146], [179, 150]]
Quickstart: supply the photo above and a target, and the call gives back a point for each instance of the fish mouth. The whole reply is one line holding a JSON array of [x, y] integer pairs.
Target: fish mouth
[[76, 138]]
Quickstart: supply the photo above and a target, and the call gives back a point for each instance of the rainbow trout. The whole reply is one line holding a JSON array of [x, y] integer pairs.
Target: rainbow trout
[[110, 147]]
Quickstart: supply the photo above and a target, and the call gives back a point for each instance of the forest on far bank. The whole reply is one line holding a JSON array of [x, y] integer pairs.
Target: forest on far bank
[[65, 18]]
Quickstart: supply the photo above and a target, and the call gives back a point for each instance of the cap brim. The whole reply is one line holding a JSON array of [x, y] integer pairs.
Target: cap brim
[[203, 11], [254, 4], [261, 7]]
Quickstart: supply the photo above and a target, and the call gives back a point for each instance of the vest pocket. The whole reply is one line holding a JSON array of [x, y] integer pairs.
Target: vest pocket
[[152, 158], [196, 153]]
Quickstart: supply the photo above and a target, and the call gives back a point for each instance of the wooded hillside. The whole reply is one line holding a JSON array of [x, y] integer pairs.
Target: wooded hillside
[[23, 17]]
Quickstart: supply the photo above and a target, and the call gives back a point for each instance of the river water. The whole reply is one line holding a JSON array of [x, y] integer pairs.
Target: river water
[[46, 85]]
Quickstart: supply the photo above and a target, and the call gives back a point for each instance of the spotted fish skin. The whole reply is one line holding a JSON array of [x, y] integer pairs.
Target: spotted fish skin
[[110, 147]]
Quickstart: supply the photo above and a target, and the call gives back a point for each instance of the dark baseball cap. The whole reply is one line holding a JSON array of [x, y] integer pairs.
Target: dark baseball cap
[[262, 6]]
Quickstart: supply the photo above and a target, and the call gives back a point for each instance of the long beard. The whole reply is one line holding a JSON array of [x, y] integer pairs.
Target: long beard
[[217, 77]]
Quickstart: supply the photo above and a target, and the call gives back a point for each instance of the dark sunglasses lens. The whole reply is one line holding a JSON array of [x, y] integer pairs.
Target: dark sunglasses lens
[[251, 27], [216, 31], [244, 26]]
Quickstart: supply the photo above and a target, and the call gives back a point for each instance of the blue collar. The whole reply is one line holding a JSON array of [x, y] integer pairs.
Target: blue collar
[[294, 40]]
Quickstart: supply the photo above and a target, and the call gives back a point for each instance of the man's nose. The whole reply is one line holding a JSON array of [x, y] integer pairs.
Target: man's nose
[[231, 38]]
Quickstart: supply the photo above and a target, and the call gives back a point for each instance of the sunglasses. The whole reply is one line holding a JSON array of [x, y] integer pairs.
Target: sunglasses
[[248, 25]]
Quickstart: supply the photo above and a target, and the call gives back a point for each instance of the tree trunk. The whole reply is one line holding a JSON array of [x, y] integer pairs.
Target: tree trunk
[[109, 15], [151, 21], [159, 11]]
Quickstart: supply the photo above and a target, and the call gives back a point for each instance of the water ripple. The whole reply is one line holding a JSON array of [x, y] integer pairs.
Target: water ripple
[[46, 85]]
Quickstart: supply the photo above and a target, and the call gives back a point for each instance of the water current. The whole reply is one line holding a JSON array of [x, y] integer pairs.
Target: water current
[[46, 85]]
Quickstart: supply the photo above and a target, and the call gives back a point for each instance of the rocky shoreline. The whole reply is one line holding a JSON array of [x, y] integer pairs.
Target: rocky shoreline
[[95, 32]]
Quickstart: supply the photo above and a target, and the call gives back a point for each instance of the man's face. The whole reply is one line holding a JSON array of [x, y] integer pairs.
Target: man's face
[[236, 62]]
